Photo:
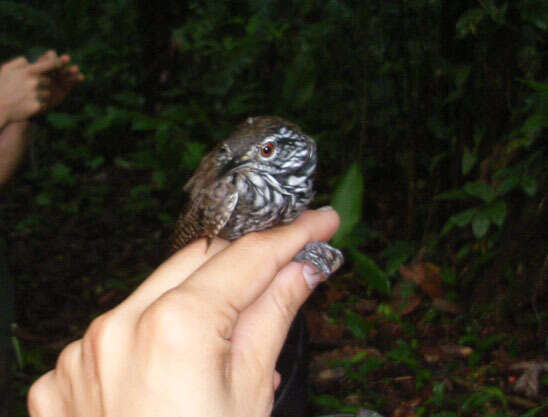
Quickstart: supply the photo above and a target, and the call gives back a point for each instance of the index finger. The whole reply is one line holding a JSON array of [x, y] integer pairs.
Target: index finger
[[240, 273], [48, 62]]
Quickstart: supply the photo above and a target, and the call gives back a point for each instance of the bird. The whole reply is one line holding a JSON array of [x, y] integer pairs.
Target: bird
[[260, 176]]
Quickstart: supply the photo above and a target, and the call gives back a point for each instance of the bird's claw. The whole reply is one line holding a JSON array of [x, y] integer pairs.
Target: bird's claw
[[325, 258]]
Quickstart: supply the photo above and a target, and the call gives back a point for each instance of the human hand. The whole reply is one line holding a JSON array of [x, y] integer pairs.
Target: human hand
[[26, 89], [61, 79], [200, 337]]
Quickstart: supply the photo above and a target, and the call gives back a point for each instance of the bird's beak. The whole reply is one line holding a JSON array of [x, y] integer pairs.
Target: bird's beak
[[236, 162]]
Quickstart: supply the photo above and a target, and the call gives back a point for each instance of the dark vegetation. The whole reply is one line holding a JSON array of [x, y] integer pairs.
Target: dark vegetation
[[431, 121]]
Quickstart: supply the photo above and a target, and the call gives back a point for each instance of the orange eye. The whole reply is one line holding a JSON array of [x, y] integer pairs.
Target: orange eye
[[267, 149]]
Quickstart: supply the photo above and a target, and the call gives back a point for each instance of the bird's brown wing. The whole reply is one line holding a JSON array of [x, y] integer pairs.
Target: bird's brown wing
[[207, 213]]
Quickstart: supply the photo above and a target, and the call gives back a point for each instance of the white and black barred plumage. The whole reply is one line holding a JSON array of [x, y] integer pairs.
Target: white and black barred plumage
[[260, 176]]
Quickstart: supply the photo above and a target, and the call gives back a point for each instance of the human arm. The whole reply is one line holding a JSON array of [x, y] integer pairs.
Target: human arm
[[14, 141], [27, 89], [199, 337]]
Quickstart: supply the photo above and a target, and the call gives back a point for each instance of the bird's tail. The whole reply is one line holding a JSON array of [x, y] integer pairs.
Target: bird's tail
[[186, 230]]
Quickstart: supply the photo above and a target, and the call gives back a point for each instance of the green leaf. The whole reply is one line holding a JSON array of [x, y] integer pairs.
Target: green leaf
[[328, 401], [497, 212], [529, 185], [144, 123], [468, 160], [356, 324], [62, 174], [43, 199], [536, 411], [194, 151], [347, 200], [464, 217], [460, 219], [63, 121], [396, 255], [18, 352], [96, 162], [480, 224], [455, 194], [373, 276], [480, 190], [469, 22], [123, 163], [539, 87], [479, 399], [507, 184]]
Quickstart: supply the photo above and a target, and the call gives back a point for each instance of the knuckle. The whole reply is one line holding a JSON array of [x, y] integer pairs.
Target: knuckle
[[164, 321], [20, 61], [185, 318], [68, 361], [37, 398], [99, 336], [35, 107]]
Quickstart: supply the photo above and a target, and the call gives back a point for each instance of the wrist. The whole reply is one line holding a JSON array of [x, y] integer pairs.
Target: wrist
[[4, 121], [6, 117]]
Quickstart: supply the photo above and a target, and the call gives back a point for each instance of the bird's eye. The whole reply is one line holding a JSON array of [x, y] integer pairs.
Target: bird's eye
[[267, 149]]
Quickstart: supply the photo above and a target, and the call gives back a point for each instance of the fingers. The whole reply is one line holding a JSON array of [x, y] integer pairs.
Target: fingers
[[15, 63], [64, 59], [172, 273], [49, 61], [44, 398], [43, 95], [73, 74], [277, 380], [44, 82], [240, 273], [263, 326]]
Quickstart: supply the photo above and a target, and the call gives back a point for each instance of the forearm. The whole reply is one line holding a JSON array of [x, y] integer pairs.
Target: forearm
[[4, 119], [13, 143]]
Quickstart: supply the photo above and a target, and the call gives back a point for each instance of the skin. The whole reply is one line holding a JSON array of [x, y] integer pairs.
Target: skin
[[25, 90], [200, 337]]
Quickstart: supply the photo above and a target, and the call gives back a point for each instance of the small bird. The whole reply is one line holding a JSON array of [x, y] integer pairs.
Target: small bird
[[257, 178]]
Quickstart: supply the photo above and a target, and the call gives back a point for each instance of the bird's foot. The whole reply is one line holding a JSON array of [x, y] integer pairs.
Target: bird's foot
[[325, 258]]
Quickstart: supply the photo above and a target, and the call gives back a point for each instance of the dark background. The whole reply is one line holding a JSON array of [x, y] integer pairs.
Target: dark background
[[430, 118]]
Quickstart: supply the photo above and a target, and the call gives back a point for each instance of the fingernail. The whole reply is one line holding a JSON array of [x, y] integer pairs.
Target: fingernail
[[325, 208], [312, 277]]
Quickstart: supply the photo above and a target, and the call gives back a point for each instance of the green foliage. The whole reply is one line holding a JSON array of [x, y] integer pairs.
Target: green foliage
[[481, 400], [430, 119], [348, 201], [370, 272], [536, 411]]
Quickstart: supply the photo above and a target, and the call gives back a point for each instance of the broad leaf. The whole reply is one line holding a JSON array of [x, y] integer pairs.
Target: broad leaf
[[496, 212], [456, 194], [460, 219], [468, 160], [373, 276], [356, 324], [63, 121], [529, 185], [347, 200], [480, 224], [480, 190]]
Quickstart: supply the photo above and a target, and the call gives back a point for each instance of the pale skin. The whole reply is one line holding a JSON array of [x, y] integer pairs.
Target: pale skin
[[200, 337], [27, 89]]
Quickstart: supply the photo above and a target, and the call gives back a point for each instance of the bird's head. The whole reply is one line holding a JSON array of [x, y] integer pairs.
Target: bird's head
[[267, 144]]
